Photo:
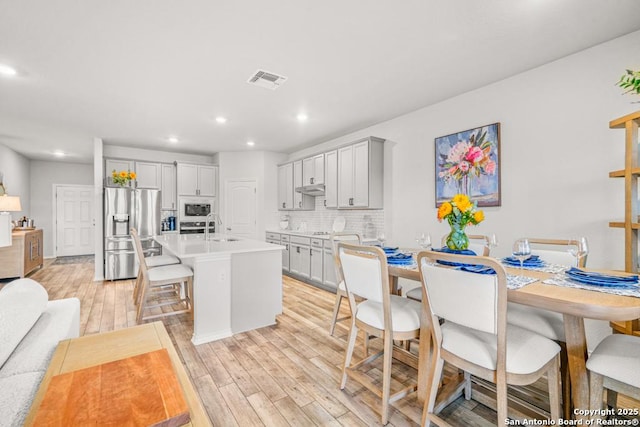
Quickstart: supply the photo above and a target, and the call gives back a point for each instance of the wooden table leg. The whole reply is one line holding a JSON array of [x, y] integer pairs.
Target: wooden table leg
[[424, 353], [577, 355], [393, 285]]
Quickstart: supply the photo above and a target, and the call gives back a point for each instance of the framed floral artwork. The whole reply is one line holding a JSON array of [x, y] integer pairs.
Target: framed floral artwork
[[468, 162]]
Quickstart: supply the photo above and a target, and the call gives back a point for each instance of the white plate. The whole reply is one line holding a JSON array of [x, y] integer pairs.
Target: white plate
[[338, 224]]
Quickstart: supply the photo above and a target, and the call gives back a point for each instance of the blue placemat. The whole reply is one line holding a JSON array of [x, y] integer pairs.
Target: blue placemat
[[600, 279]]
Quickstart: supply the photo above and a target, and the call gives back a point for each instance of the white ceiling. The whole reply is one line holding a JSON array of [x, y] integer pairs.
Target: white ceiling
[[136, 72]]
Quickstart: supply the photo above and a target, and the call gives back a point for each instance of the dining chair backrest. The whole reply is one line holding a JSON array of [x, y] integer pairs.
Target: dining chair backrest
[[334, 239], [478, 243], [473, 300], [555, 251], [139, 251], [365, 272]]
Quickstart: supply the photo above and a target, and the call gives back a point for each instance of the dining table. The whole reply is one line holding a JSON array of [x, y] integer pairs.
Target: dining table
[[574, 304]]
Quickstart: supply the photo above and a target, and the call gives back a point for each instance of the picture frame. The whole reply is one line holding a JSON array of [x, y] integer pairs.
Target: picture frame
[[468, 162]]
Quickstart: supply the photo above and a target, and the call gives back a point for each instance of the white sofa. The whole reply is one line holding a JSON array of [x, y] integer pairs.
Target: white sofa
[[30, 328]]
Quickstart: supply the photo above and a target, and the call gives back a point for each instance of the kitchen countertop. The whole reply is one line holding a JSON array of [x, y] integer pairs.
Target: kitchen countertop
[[193, 245], [314, 236]]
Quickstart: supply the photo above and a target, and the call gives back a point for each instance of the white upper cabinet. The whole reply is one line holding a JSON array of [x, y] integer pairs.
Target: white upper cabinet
[[331, 179], [148, 175], [285, 187], [360, 174], [197, 180], [168, 187], [300, 201], [313, 170]]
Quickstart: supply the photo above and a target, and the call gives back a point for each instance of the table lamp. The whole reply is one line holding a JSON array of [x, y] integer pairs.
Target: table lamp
[[7, 204]]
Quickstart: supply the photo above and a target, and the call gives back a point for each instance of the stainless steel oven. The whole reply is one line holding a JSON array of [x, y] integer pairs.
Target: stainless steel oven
[[196, 227]]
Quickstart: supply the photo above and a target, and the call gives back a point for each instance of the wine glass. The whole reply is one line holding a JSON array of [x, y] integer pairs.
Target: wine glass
[[493, 241], [578, 248], [521, 251], [381, 237], [423, 240]]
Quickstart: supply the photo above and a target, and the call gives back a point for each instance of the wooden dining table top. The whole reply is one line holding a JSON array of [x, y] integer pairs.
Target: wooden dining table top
[[573, 301], [574, 304]]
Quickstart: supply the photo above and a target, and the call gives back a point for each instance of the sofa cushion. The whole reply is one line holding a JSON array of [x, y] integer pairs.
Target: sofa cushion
[[60, 321], [17, 394], [21, 304]]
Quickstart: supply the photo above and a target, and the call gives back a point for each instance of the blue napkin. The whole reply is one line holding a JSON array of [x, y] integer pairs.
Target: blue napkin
[[479, 269], [400, 259], [451, 251], [532, 261], [388, 249], [600, 279]]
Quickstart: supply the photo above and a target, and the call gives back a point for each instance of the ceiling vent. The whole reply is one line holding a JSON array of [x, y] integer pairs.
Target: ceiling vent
[[266, 79]]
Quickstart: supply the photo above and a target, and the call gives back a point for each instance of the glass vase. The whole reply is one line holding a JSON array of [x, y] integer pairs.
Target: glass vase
[[457, 239]]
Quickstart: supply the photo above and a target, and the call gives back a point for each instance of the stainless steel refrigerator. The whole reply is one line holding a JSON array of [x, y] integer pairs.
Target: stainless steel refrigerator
[[125, 208]]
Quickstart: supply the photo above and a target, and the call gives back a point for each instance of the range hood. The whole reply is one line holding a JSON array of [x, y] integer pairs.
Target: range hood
[[311, 190]]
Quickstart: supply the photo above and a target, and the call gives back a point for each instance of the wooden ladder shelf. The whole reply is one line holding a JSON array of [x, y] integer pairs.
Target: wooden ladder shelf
[[631, 223]]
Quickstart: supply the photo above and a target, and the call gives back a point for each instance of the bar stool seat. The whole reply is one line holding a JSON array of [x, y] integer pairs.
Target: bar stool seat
[[158, 260]]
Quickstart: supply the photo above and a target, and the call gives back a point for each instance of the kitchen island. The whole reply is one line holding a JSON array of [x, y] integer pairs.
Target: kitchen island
[[237, 283]]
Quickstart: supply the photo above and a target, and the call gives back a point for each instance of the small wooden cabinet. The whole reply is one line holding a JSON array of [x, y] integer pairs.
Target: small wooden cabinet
[[23, 256]]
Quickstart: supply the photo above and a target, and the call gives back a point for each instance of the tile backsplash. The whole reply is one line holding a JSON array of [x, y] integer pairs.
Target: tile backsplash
[[321, 219]]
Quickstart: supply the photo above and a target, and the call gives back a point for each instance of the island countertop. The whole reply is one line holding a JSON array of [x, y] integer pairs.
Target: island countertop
[[193, 245]]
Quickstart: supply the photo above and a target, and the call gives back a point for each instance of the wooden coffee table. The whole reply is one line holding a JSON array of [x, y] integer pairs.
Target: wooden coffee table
[[92, 350]]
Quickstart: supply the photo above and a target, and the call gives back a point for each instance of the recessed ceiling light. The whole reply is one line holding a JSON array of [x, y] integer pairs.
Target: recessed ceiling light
[[221, 119], [251, 143], [58, 153], [5, 70], [302, 117], [173, 139]]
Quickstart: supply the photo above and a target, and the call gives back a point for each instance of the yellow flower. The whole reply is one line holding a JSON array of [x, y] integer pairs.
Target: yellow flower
[[462, 202], [114, 173], [460, 198], [124, 174], [132, 175], [444, 210], [478, 216]]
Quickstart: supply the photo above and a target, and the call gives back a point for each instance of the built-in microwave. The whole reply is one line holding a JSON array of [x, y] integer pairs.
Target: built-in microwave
[[196, 209]]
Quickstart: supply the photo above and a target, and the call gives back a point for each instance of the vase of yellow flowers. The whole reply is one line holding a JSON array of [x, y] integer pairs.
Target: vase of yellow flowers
[[122, 178], [459, 212]]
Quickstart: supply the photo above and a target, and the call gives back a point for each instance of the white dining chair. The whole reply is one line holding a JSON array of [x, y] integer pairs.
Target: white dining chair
[[381, 314], [341, 292], [169, 286], [478, 243], [544, 322], [614, 365], [475, 336]]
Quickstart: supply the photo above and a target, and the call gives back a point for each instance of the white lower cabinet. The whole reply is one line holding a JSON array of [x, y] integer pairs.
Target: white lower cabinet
[[284, 241], [329, 278], [300, 257], [316, 260]]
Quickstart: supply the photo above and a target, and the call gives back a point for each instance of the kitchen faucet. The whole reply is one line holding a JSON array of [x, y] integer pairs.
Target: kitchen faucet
[[214, 217]]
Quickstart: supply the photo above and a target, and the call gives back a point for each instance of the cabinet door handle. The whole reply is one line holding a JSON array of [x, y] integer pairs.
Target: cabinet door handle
[[299, 204], [298, 249], [325, 203], [283, 205], [311, 180], [351, 201]]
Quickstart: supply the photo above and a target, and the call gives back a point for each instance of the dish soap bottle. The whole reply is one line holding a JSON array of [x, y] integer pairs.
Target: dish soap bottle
[[369, 231]]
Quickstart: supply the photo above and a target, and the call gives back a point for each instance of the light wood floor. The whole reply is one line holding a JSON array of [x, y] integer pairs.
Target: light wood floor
[[284, 375]]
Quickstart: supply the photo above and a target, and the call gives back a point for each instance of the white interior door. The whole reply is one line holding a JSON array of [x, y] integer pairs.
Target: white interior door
[[240, 208], [74, 220]]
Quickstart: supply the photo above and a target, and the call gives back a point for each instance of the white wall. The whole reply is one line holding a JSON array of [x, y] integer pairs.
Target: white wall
[[258, 165], [43, 177], [556, 146], [115, 151], [15, 169]]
